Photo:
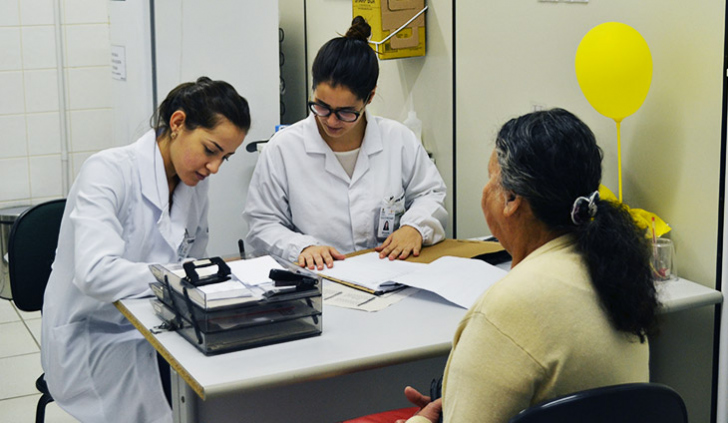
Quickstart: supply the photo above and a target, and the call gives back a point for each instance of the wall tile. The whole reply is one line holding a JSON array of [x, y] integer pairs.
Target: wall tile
[[11, 93], [86, 11], [14, 176], [10, 57], [36, 12], [44, 133], [87, 45], [77, 160], [91, 130], [45, 176], [13, 203], [9, 13], [39, 47], [89, 88], [12, 128], [41, 91]]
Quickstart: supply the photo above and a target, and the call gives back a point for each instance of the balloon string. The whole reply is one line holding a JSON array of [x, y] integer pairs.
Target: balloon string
[[619, 158]]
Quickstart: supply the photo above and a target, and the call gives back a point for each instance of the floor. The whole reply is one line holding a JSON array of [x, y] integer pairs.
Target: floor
[[20, 367]]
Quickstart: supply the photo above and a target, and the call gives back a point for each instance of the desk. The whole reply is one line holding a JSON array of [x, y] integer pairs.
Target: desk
[[361, 361], [684, 295]]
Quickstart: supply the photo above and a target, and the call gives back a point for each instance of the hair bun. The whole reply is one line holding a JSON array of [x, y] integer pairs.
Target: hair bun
[[203, 80], [359, 29]]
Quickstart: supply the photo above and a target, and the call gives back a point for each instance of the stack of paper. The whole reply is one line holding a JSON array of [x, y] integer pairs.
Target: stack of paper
[[209, 296], [247, 276], [254, 271]]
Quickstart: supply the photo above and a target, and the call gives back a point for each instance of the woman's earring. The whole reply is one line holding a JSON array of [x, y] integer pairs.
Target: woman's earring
[[173, 135]]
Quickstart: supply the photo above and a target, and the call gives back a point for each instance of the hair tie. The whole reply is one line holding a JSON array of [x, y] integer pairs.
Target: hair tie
[[584, 205]]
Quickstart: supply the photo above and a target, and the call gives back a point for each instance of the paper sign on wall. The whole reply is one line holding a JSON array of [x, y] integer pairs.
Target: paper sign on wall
[[118, 63]]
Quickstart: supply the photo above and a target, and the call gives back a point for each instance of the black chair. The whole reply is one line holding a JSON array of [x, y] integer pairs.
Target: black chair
[[31, 251], [628, 403]]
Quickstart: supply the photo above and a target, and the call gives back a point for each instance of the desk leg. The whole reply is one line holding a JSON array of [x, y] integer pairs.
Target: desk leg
[[183, 400]]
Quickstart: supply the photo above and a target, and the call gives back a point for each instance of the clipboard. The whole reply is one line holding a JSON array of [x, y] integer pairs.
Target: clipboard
[[447, 247], [396, 287]]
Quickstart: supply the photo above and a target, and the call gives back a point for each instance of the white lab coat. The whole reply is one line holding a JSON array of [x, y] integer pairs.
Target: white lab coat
[[300, 194], [98, 367]]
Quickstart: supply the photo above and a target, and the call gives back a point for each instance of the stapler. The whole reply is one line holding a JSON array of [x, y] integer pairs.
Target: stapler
[[287, 278]]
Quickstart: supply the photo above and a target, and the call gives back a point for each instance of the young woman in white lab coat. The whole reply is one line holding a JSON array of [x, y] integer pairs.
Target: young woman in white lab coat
[[342, 179], [130, 206]]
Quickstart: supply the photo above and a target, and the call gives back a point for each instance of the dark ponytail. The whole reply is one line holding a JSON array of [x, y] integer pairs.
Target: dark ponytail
[[348, 61], [551, 159], [204, 102], [617, 253]]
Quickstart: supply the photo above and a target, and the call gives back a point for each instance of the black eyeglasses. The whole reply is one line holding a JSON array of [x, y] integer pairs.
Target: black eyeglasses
[[344, 114]]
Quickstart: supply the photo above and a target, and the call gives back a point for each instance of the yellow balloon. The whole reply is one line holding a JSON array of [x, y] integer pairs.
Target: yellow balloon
[[614, 69]]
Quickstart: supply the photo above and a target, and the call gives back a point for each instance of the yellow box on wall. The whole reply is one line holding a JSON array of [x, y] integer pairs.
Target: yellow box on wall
[[385, 17]]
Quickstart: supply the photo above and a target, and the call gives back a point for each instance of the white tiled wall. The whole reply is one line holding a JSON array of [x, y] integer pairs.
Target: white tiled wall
[[30, 118], [9, 13]]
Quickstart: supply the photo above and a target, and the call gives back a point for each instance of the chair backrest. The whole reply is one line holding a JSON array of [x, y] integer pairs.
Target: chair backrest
[[31, 251], [628, 403]]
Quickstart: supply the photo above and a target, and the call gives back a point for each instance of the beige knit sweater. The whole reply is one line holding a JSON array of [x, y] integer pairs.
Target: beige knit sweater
[[537, 334]]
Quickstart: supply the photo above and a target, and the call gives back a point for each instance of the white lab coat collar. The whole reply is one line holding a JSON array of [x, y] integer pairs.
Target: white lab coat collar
[[153, 179], [371, 144], [152, 176]]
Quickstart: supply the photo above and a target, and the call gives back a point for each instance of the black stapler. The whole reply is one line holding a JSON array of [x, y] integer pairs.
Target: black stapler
[[287, 278]]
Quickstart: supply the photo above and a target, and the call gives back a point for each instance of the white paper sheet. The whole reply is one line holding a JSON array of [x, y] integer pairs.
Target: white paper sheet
[[254, 271], [458, 280], [339, 295]]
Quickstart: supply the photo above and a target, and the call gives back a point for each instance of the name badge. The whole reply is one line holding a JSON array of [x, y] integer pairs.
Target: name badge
[[390, 213], [184, 248]]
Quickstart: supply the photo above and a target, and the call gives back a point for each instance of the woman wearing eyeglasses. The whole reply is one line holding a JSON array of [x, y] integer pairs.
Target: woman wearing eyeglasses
[[343, 180]]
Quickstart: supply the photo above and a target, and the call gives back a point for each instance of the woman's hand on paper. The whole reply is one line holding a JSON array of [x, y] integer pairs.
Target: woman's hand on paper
[[430, 410], [403, 242], [316, 256]]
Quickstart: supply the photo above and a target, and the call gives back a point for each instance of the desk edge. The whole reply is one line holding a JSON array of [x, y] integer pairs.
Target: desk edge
[[192, 382]]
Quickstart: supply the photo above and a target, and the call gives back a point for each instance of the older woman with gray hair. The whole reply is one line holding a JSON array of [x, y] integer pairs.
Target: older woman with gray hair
[[577, 306]]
